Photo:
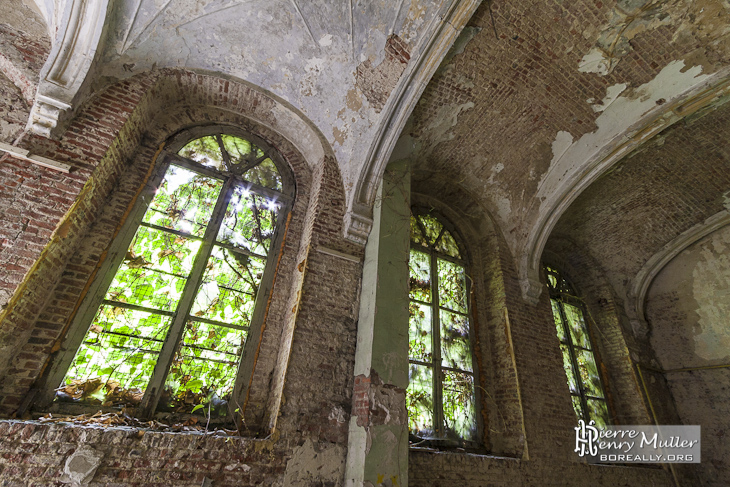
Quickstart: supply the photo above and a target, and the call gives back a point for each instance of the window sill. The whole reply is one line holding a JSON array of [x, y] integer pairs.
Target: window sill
[[459, 451]]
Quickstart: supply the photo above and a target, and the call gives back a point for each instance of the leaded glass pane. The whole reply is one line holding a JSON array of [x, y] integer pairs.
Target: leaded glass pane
[[184, 201], [240, 151], [265, 174], [459, 410], [455, 344], [249, 222], [120, 350], [228, 290], [205, 151], [204, 368], [419, 401], [452, 286], [130, 330]]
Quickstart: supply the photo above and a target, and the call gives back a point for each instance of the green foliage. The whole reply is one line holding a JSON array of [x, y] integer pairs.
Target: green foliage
[[419, 400], [579, 363], [126, 337], [454, 347]]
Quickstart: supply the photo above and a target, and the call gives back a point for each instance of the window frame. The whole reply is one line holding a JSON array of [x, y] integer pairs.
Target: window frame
[[116, 250], [436, 365], [563, 293]]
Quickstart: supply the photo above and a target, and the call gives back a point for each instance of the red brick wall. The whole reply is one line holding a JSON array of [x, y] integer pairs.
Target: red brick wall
[[33, 454]]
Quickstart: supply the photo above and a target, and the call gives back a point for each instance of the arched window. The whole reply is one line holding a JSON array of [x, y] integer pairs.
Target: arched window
[[579, 361], [440, 396], [167, 326]]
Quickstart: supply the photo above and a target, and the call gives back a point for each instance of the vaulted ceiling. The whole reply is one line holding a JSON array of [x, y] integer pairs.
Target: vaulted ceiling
[[562, 118]]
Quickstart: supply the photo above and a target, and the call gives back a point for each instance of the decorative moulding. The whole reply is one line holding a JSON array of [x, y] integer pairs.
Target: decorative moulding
[[444, 29], [639, 286], [605, 158], [66, 68]]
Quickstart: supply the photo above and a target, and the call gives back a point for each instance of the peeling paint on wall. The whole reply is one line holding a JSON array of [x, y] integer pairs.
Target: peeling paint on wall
[[323, 464]]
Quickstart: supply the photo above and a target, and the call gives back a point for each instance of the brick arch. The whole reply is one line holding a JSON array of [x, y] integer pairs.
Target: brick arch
[[111, 146], [489, 266]]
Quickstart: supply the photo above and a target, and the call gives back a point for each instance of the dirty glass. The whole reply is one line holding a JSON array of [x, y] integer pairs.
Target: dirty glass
[[419, 332], [459, 410], [129, 332], [419, 266], [455, 344], [440, 396], [419, 401], [579, 362], [452, 286]]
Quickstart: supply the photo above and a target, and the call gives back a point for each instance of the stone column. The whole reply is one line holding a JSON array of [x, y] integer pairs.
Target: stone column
[[378, 434]]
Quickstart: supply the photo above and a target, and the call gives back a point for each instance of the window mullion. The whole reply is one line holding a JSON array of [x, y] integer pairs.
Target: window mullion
[[574, 361], [436, 347], [177, 328]]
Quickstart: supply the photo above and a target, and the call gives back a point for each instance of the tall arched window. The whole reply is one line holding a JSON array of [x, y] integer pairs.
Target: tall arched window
[[440, 396], [167, 326], [579, 361]]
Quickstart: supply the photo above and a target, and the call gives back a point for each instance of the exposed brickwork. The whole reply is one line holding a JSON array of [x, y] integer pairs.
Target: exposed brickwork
[[432, 469], [685, 309], [14, 111], [492, 113], [97, 152], [377, 82], [22, 54], [32, 454], [662, 190], [616, 346]]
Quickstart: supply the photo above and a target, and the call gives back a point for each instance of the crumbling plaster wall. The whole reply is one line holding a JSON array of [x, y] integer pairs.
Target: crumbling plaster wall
[[330, 61], [529, 117], [687, 309], [312, 420], [675, 181], [24, 47]]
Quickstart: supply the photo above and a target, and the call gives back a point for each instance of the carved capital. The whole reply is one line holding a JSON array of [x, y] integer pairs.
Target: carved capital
[[531, 289], [68, 64], [44, 115], [358, 224]]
